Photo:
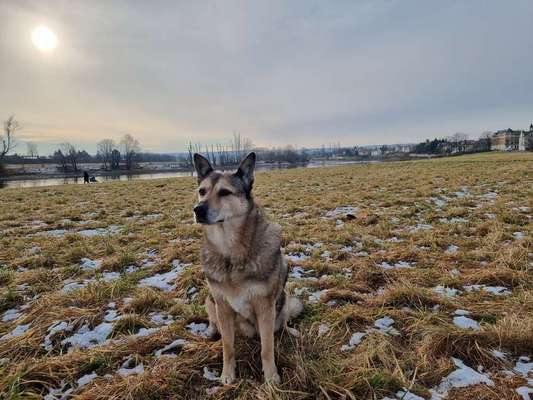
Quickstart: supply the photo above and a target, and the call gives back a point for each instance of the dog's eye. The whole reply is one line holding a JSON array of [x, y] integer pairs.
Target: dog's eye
[[201, 192], [224, 192]]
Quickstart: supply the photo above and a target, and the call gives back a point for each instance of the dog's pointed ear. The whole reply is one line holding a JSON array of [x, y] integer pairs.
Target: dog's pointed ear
[[246, 171], [202, 166]]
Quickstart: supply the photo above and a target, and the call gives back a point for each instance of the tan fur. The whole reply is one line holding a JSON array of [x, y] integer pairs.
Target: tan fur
[[246, 274]]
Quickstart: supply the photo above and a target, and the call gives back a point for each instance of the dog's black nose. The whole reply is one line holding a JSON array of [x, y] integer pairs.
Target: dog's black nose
[[201, 212]]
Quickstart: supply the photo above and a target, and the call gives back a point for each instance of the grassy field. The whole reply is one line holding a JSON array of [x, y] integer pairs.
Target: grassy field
[[422, 281]]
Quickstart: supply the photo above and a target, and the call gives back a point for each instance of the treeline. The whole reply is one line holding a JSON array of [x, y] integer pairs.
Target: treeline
[[456, 144]]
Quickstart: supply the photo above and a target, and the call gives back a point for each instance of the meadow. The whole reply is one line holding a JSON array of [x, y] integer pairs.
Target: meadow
[[417, 280]]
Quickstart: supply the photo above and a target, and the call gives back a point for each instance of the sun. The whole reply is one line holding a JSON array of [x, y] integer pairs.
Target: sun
[[44, 38]]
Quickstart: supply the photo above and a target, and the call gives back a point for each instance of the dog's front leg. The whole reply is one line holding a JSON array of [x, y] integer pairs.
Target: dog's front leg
[[226, 325], [266, 316]]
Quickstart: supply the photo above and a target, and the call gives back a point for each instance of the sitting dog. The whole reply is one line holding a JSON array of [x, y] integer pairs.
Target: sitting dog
[[242, 260]]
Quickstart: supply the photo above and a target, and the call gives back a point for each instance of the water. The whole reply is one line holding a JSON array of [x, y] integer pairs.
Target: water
[[28, 183]]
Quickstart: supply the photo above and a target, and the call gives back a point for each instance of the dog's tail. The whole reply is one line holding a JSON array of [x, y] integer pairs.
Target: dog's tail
[[294, 307]]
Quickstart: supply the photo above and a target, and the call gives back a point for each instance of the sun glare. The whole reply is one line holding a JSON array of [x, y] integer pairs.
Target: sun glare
[[44, 39]]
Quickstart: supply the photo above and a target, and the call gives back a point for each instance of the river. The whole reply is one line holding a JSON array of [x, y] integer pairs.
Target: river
[[39, 182]]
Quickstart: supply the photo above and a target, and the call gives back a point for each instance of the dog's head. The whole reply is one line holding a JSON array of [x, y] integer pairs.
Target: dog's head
[[223, 195]]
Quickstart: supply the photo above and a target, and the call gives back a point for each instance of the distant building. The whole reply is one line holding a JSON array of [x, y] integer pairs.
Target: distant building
[[511, 140]]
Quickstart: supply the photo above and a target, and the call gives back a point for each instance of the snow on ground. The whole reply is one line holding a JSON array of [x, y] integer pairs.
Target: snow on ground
[[86, 379], [354, 341], [518, 235], [524, 366], [397, 265], [524, 392], [298, 272], [175, 344], [161, 318], [452, 249], [56, 327], [87, 264], [11, 315], [420, 227], [86, 338], [70, 286], [407, 395], [315, 296], [496, 290], [463, 376], [210, 375], [323, 329], [163, 281], [60, 393], [110, 276], [384, 325], [145, 332], [296, 257], [465, 323], [198, 329], [127, 369], [498, 354], [343, 211], [18, 331]]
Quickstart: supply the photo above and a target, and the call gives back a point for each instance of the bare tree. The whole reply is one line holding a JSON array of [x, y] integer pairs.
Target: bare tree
[[71, 154], [104, 149], [31, 150], [115, 159], [130, 147], [8, 139]]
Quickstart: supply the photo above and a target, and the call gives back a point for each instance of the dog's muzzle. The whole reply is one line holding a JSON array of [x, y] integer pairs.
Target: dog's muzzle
[[200, 212]]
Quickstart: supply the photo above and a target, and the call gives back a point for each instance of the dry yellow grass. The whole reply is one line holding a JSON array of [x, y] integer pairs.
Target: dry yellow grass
[[409, 214]]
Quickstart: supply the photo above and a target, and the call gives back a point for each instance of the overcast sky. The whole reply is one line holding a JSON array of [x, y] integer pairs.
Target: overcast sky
[[280, 72]]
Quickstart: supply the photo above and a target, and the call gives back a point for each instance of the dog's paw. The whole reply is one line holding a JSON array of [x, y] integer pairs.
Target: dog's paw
[[272, 377], [227, 378]]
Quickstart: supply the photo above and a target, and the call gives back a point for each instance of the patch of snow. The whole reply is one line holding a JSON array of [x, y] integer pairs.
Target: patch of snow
[[110, 230], [498, 354], [385, 325], [110, 276], [163, 281], [446, 291], [86, 379], [398, 265], [496, 290], [518, 235], [86, 338], [405, 394], [111, 315], [145, 332], [198, 329], [464, 192], [323, 329], [460, 311], [466, 323], [452, 249], [18, 331], [420, 227], [160, 318], [354, 341], [315, 296], [345, 211], [11, 315], [524, 366], [125, 371], [524, 392], [176, 343], [463, 376], [210, 375], [296, 257], [61, 393], [51, 233], [69, 287], [56, 327], [87, 264]]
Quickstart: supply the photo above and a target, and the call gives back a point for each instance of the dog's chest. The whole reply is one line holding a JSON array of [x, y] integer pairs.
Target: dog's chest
[[241, 298]]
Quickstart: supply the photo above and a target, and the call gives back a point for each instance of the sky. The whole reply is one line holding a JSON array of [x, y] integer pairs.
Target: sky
[[300, 73]]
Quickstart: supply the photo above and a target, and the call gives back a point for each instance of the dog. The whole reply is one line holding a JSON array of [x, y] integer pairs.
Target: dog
[[243, 263]]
